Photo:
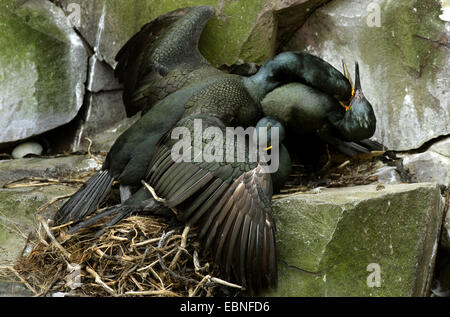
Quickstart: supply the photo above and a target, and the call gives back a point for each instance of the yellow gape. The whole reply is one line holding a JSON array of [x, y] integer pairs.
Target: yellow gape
[[347, 75]]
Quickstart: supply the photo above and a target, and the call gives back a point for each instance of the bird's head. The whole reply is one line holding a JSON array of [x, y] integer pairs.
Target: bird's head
[[268, 135], [265, 125], [359, 117], [357, 94]]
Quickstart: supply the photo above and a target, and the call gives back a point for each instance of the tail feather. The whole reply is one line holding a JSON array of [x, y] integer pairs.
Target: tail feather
[[118, 212], [122, 211], [102, 189], [351, 148], [372, 145], [86, 200]]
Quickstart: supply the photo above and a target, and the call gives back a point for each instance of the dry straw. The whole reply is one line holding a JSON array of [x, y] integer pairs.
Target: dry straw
[[141, 256]]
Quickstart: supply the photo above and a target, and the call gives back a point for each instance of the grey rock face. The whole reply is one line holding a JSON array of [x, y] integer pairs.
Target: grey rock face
[[43, 67], [13, 170], [19, 205], [442, 147], [101, 76], [388, 175], [10, 289], [402, 48], [107, 25], [445, 239], [103, 140], [432, 165], [106, 112]]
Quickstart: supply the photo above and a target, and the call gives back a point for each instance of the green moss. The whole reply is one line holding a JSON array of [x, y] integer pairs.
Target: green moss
[[313, 224], [298, 280], [221, 42], [40, 19], [257, 48], [17, 215]]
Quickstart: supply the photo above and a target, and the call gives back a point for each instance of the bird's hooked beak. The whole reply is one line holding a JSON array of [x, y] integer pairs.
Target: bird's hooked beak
[[355, 87]]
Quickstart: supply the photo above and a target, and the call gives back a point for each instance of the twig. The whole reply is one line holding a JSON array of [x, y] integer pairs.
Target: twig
[[343, 164], [157, 276], [159, 292], [197, 266], [62, 226], [215, 280], [137, 283], [181, 248], [90, 154], [152, 191], [51, 202], [142, 243], [328, 161], [8, 156], [52, 237], [156, 262], [21, 279], [155, 196], [99, 281], [30, 184], [203, 281], [161, 243], [40, 181], [222, 282]]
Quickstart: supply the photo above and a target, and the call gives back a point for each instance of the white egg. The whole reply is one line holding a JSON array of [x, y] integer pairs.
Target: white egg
[[27, 148]]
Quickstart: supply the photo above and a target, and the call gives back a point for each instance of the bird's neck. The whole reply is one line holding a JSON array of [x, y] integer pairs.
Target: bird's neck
[[278, 71], [300, 67]]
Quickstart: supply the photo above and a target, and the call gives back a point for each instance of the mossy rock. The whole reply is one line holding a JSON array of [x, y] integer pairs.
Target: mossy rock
[[18, 215], [43, 67], [334, 243]]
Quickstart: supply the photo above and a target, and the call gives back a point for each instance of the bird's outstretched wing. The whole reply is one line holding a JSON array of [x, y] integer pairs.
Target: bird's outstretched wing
[[163, 57], [241, 231], [230, 204]]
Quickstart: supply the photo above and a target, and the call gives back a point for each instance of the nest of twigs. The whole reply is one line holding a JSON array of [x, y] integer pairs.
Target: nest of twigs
[[141, 256]]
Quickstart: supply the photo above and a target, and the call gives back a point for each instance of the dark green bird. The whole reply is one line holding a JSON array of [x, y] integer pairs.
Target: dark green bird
[[305, 110], [229, 200], [165, 75]]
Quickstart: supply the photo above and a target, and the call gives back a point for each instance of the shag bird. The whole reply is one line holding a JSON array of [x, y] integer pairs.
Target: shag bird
[[231, 201], [305, 110]]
